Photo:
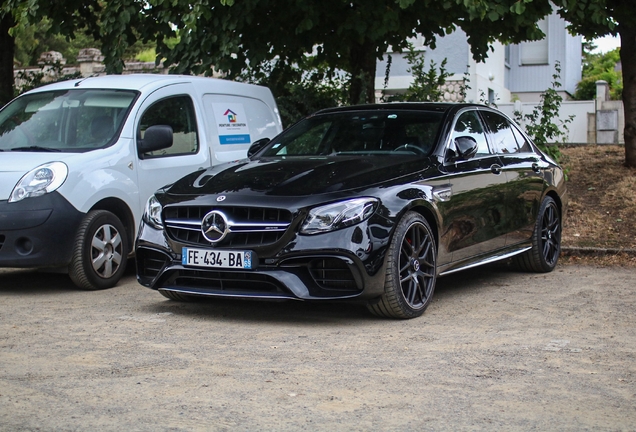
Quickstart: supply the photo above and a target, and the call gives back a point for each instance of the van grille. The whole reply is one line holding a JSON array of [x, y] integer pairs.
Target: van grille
[[248, 226]]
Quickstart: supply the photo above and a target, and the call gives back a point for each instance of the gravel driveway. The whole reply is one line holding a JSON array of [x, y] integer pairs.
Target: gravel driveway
[[496, 350]]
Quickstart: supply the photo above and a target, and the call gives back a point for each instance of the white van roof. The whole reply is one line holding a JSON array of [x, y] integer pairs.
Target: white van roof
[[140, 82]]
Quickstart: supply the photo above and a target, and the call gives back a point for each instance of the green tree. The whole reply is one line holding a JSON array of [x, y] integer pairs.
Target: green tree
[[427, 84], [348, 35], [65, 17], [299, 89], [542, 123], [31, 40], [600, 67], [596, 18]]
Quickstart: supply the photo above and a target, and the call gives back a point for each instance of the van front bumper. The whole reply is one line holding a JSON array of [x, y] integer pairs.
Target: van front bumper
[[38, 232]]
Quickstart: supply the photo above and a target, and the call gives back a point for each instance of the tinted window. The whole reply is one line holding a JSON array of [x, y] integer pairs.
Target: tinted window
[[468, 124], [522, 142], [360, 132], [503, 138], [177, 112]]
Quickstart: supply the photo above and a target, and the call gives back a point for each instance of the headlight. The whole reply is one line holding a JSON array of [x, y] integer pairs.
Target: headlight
[[339, 215], [152, 213], [39, 181]]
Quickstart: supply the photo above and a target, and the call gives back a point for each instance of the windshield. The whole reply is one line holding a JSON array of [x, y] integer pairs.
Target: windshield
[[66, 120], [360, 132]]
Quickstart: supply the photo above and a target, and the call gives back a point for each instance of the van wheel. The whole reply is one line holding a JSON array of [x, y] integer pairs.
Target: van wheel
[[100, 252]]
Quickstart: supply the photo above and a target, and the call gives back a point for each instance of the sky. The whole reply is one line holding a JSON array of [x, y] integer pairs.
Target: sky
[[606, 44]]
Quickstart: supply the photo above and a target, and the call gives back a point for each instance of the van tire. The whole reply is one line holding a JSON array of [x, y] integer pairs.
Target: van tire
[[100, 252]]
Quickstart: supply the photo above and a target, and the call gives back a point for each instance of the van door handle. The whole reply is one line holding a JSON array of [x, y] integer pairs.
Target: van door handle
[[496, 169]]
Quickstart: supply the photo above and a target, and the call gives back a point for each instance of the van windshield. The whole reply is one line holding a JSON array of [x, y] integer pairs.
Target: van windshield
[[64, 120]]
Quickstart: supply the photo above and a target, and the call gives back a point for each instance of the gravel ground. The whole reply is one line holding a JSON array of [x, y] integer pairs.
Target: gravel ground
[[496, 350]]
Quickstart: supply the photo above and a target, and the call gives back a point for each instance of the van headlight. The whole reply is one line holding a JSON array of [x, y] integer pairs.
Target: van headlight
[[152, 213], [338, 215], [39, 181]]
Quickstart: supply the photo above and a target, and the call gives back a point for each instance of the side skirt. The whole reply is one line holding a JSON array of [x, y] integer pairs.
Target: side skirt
[[481, 260]]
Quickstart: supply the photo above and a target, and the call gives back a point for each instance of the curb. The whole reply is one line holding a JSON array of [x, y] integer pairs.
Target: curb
[[571, 250]]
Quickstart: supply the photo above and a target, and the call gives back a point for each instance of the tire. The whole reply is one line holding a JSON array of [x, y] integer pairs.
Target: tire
[[411, 270], [177, 296], [546, 241], [100, 252]]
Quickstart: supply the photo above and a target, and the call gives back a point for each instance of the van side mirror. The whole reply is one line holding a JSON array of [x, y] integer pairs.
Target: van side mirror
[[466, 147], [257, 146], [157, 137]]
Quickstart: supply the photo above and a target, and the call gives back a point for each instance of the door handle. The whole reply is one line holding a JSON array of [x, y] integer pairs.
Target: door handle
[[536, 168], [496, 169]]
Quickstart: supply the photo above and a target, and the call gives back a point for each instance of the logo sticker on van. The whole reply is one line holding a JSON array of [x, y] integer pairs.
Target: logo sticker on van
[[231, 123]]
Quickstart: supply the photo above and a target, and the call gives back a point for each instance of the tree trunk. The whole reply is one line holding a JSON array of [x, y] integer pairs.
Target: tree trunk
[[628, 60], [362, 62], [7, 46]]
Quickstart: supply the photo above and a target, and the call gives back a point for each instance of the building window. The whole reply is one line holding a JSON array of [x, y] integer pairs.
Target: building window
[[536, 52]]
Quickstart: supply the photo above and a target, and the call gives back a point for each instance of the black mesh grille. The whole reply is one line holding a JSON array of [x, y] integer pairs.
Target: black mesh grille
[[150, 262], [2, 238], [227, 282], [184, 225], [332, 273]]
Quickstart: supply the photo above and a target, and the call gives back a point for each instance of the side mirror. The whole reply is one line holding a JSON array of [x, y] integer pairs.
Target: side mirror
[[257, 146], [466, 147], [157, 137]]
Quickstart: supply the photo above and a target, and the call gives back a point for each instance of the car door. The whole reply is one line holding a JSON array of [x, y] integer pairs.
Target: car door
[[173, 106], [522, 168], [473, 209]]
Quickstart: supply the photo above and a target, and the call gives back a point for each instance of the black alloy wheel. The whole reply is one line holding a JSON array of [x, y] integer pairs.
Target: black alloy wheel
[[411, 270], [546, 240]]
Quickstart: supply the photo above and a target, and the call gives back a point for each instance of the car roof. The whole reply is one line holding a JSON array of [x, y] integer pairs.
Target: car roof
[[402, 106]]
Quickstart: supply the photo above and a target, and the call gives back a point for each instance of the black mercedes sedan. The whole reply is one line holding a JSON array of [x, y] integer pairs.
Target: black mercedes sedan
[[366, 203]]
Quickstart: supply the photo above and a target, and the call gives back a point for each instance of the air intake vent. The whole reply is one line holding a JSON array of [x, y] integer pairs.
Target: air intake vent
[[332, 273]]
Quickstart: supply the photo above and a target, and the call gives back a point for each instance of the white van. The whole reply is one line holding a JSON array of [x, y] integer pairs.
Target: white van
[[79, 159]]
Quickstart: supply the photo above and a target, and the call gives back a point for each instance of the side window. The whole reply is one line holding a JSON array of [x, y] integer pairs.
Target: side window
[[177, 112], [468, 124], [524, 145], [501, 132]]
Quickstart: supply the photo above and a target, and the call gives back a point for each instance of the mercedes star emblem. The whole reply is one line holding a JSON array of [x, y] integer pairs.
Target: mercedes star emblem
[[214, 226]]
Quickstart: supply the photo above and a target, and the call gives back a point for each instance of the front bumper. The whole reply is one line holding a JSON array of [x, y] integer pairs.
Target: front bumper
[[38, 232], [344, 264]]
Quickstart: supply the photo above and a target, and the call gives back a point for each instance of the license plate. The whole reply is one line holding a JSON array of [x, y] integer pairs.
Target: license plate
[[217, 258]]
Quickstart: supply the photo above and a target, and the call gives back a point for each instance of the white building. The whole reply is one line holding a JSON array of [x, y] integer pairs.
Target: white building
[[514, 72]]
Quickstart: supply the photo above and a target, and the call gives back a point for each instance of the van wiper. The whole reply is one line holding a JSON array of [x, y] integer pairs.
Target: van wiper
[[35, 149]]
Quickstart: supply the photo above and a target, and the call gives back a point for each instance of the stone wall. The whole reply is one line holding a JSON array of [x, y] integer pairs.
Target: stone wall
[[52, 67]]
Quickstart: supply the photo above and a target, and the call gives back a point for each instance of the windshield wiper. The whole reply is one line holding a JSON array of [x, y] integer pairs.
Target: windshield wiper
[[35, 149]]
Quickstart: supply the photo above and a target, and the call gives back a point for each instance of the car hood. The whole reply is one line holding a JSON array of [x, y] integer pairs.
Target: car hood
[[298, 176]]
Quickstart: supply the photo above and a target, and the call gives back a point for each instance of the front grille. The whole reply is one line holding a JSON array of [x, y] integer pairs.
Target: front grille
[[225, 282], [2, 239], [249, 226], [332, 273]]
